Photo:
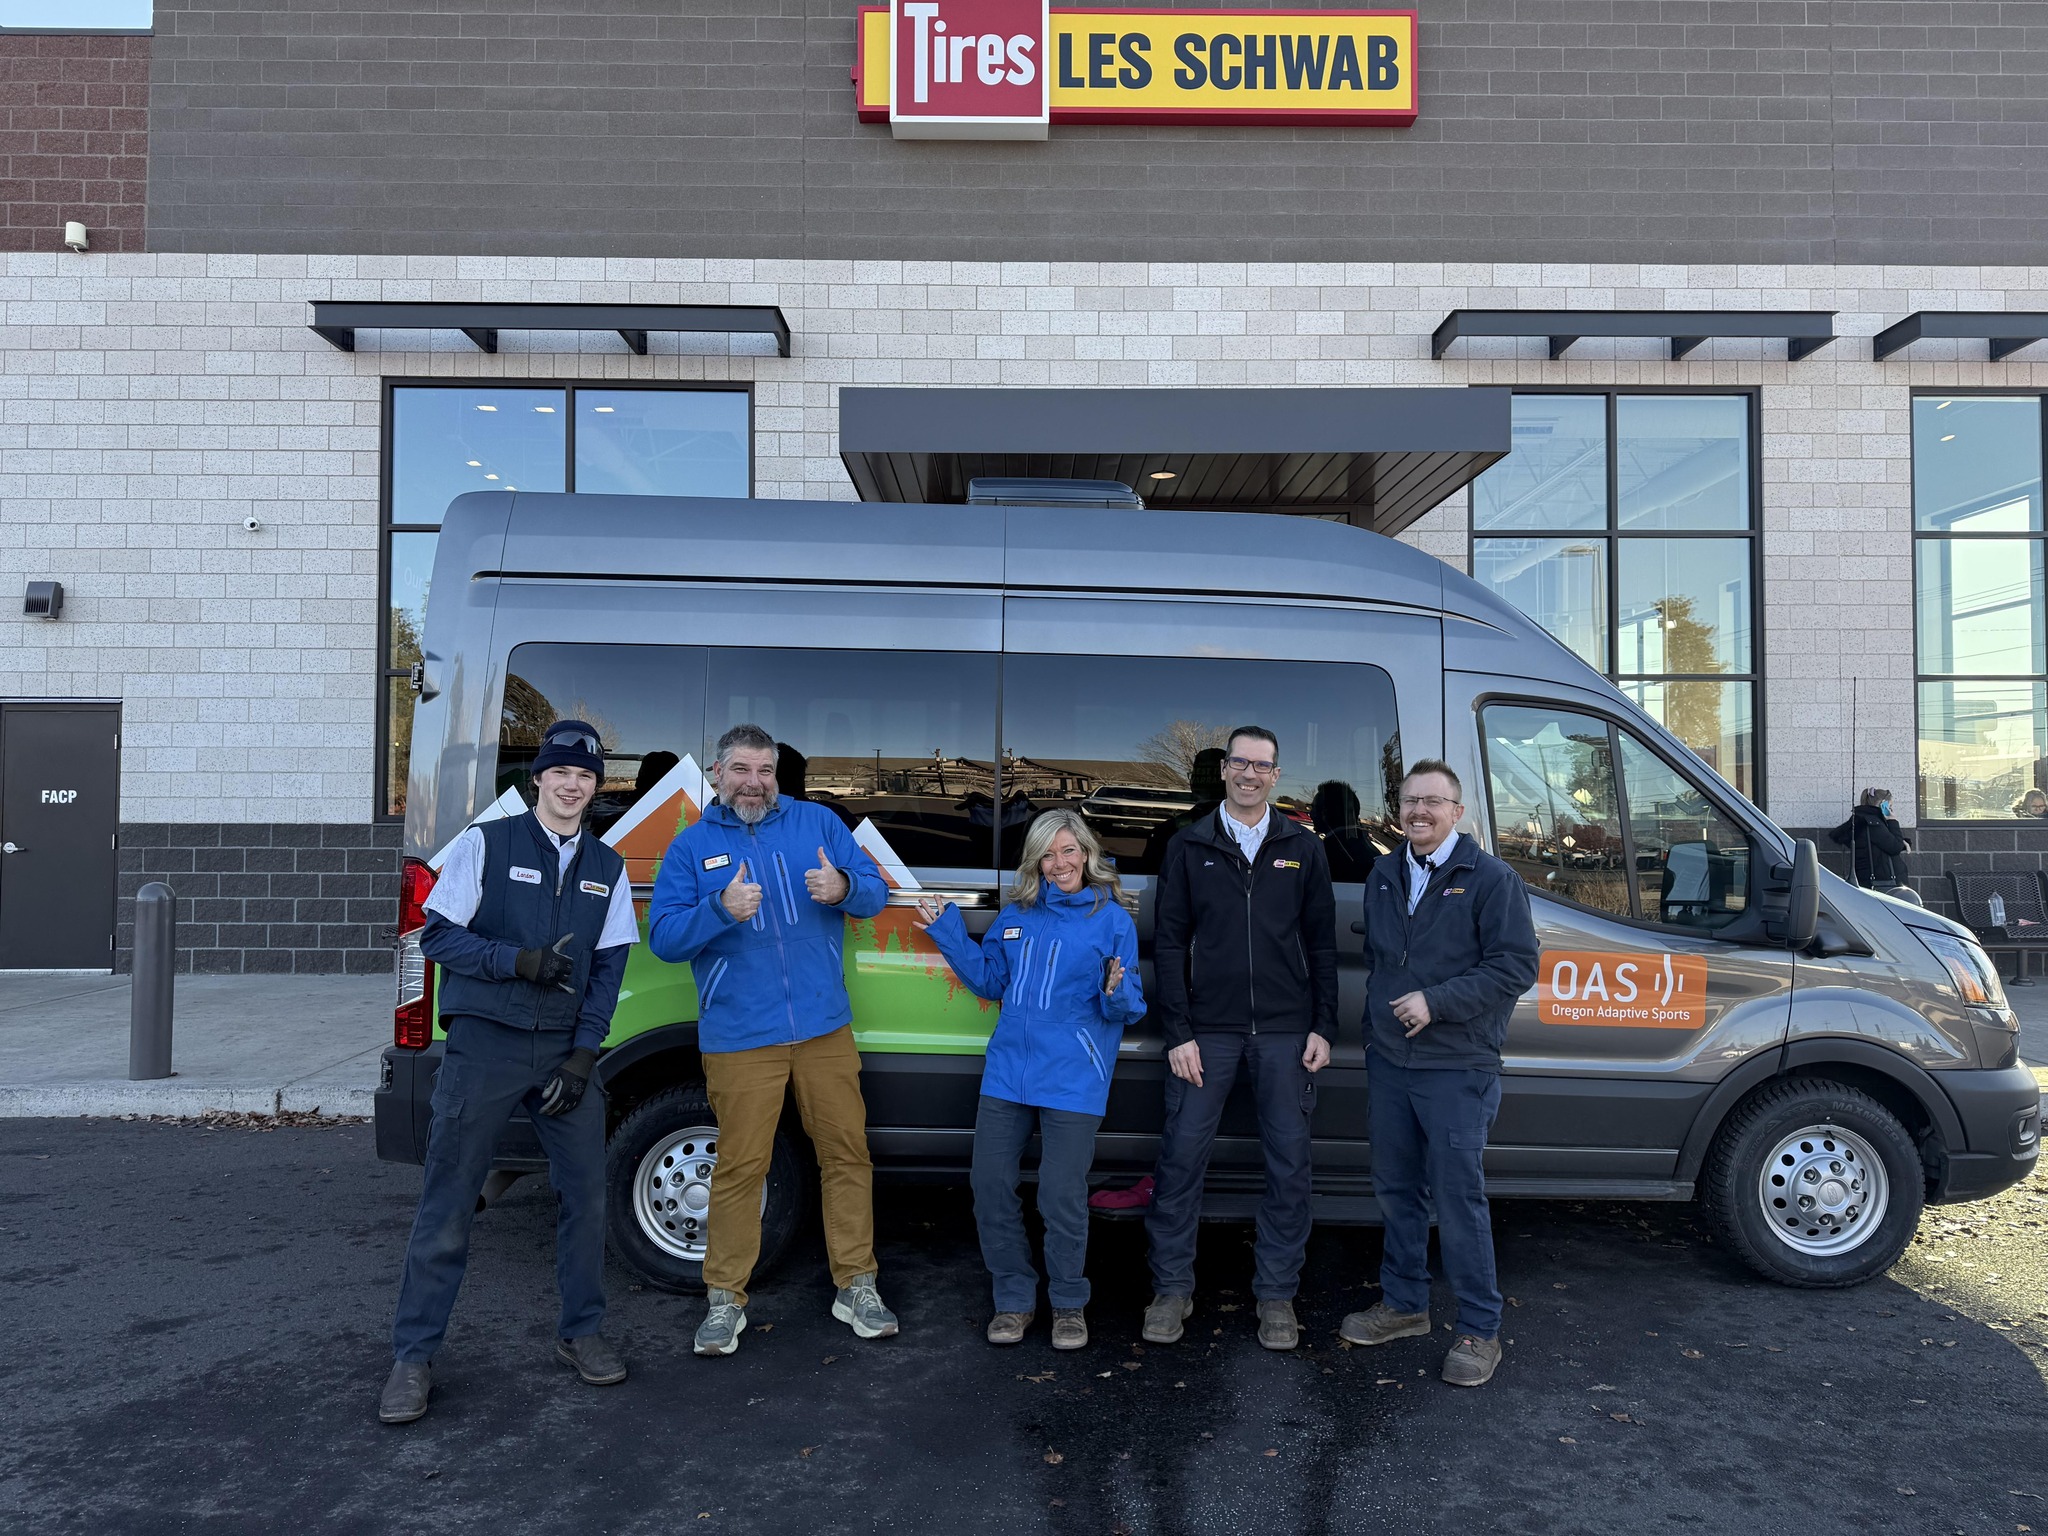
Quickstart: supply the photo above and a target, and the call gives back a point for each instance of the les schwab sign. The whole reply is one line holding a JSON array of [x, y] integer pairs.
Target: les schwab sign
[[1007, 69]]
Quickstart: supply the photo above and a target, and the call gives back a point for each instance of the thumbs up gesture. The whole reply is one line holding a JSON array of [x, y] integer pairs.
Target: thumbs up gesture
[[828, 885], [742, 898]]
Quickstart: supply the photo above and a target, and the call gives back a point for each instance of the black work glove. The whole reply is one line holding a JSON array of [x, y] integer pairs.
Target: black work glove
[[547, 967], [564, 1091]]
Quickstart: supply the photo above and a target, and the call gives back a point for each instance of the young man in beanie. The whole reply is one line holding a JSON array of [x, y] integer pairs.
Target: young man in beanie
[[530, 922]]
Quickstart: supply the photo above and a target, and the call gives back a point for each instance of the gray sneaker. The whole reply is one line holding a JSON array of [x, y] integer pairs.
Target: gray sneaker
[[1472, 1362], [1278, 1328], [405, 1392], [1164, 1317], [1069, 1328], [1009, 1327], [1381, 1324], [859, 1306], [724, 1322]]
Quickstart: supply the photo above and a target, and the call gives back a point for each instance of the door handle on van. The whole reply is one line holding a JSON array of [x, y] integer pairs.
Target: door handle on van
[[959, 897]]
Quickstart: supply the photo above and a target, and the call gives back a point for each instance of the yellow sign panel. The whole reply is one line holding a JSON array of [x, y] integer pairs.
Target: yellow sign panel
[[1224, 67]]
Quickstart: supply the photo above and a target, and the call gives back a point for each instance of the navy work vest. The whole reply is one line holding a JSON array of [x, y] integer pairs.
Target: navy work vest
[[525, 903]]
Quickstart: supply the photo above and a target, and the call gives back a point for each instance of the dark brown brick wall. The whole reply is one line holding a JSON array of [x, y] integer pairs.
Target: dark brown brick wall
[[74, 140]]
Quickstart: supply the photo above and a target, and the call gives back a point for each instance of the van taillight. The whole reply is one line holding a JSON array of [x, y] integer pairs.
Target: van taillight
[[412, 1027]]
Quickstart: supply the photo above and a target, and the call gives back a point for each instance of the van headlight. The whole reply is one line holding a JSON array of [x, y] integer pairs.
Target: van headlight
[[1970, 970]]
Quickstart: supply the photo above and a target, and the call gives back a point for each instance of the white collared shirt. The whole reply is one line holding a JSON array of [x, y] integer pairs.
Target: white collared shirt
[[1249, 838], [460, 889], [1419, 870]]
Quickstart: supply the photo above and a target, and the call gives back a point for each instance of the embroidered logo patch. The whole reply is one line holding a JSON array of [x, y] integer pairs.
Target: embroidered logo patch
[[718, 862], [1013, 933], [525, 876], [1287, 863], [592, 888], [1455, 890]]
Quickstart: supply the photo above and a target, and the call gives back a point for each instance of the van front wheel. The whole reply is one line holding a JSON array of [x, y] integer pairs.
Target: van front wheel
[[658, 1171], [1814, 1184]]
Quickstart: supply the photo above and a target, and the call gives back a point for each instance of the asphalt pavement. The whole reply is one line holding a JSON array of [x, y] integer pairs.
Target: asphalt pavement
[[199, 1318]]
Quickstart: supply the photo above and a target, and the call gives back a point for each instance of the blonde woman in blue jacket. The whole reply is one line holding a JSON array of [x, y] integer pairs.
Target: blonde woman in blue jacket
[[1062, 958]]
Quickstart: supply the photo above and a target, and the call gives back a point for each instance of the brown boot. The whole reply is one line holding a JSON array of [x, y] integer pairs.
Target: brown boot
[[1472, 1362], [1008, 1327], [1381, 1324]]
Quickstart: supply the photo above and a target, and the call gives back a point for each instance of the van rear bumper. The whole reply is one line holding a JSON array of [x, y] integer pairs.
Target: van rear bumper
[[401, 1107], [2000, 1111]]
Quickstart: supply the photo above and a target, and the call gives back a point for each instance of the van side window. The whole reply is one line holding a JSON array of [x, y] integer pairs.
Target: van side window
[[1556, 805], [646, 701], [905, 739], [1584, 810], [1692, 862], [1136, 745]]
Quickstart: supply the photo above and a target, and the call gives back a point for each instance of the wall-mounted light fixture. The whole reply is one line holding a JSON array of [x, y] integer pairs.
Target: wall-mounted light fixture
[[45, 600], [75, 237]]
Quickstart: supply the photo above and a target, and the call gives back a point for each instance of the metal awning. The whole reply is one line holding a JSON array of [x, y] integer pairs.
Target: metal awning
[[1379, 458], [1805, 331], [2006, 330], [338, 322]]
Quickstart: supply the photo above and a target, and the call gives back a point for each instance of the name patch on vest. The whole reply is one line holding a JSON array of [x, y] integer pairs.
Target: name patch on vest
[[592, 888], [1287, 863], [1013, 933], [524, 876], [718, 861]]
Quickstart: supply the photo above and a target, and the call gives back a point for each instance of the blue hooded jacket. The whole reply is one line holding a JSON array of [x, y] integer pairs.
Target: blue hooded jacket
[[779, 977], [1056, 1039]]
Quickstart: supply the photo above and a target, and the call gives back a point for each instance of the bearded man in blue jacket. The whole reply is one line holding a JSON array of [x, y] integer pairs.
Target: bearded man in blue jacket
[[755, 897]]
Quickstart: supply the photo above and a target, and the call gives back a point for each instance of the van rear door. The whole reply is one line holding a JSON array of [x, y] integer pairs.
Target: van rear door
[[1657, 976]]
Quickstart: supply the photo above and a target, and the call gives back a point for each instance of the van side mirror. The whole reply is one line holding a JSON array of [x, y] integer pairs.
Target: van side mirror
[[1802, 894]]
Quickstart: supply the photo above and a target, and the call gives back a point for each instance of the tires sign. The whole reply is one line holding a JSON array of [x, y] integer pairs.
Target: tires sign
[[1622, 989]]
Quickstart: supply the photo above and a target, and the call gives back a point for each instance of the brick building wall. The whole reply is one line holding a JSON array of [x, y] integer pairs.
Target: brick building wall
[[74, 139]]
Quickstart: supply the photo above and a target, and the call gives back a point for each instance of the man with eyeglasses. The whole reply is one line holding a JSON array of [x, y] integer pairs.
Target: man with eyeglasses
[[1244, 938], [530, 922], [1452, 945]]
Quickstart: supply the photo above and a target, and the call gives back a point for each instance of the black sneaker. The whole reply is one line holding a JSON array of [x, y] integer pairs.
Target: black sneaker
[[405, 1392], [595, 1361]]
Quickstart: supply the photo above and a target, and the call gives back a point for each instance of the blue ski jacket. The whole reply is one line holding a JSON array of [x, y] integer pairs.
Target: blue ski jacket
[[779, 977], [1056, 1038]]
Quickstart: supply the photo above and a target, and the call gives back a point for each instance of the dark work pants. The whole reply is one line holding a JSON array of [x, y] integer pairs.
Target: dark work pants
[[1284, 1094], [1429, 1130], [489, 1070], [1066, 1139]]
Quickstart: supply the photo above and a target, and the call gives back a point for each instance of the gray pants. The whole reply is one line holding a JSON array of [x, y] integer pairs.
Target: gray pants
[[1284, 1093]]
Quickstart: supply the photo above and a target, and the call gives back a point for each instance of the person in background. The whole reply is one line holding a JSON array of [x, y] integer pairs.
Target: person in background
[[1877, 847], [530, 922], [756, 896], [2032, 806], [1062, 959], [1452, 945], [1245, 976]]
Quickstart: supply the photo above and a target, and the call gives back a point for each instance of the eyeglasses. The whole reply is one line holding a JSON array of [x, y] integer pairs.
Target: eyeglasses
[[1246, 765], [1432, 802], [581, 739]]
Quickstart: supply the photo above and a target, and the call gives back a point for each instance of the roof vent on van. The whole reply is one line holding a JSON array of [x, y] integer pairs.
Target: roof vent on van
[[1054, 493]]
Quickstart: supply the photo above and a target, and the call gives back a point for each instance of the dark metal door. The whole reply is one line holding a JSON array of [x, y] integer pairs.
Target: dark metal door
[[60, 808]]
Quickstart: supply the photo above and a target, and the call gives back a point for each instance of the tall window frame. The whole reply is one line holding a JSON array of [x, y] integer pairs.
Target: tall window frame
[[1942, 808], [1612, 536], [381, 789]]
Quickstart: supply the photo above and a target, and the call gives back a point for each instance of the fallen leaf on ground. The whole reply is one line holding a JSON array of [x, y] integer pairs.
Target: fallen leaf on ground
[[805, 1452], [1134, 1365], [1099, 1375], [1045, 1376], [1566, 1440], [1692, 1354], [1622, 1418], [1600, 1386], [1269, 1451], [829, 1359], [1386, 1381], [764, 1328], [1907, 1492], [1052, 1457]]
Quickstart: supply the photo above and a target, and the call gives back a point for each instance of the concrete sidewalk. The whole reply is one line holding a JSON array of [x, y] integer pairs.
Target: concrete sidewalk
[[240, 1044]]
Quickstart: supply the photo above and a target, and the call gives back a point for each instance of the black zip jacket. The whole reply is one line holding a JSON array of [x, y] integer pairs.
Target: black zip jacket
[[1245, 947], [1877, 846], [1470, 950]]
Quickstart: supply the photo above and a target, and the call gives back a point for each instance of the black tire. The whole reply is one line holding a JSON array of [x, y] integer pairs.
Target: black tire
[[675, 1261], [1732, 1191]]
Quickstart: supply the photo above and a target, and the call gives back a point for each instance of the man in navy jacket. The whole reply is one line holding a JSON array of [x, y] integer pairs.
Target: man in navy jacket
[[1452, 945], [530, 922], [755, 896]]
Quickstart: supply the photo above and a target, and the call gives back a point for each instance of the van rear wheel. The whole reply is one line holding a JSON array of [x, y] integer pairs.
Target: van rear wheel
[[658, 1171], [1814, 1184]]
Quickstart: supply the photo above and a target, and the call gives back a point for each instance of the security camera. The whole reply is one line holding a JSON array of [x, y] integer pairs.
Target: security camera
[[251, 524], [75, 237]]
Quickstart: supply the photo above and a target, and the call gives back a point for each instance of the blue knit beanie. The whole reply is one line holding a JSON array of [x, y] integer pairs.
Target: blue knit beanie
[[569, 744]]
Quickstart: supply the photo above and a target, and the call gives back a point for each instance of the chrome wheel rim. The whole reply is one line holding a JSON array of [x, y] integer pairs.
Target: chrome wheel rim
[[1823, 1190], [672, 1191]]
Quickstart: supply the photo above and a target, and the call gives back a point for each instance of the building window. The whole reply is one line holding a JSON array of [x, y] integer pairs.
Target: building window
[[1978, 604], [443, 441], [1625, 524]]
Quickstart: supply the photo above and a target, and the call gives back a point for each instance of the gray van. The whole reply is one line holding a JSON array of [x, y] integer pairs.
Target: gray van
[[1716, 1018]]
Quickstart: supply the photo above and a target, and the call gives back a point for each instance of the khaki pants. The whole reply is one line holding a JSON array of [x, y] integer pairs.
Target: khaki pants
[[746, 1089]]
